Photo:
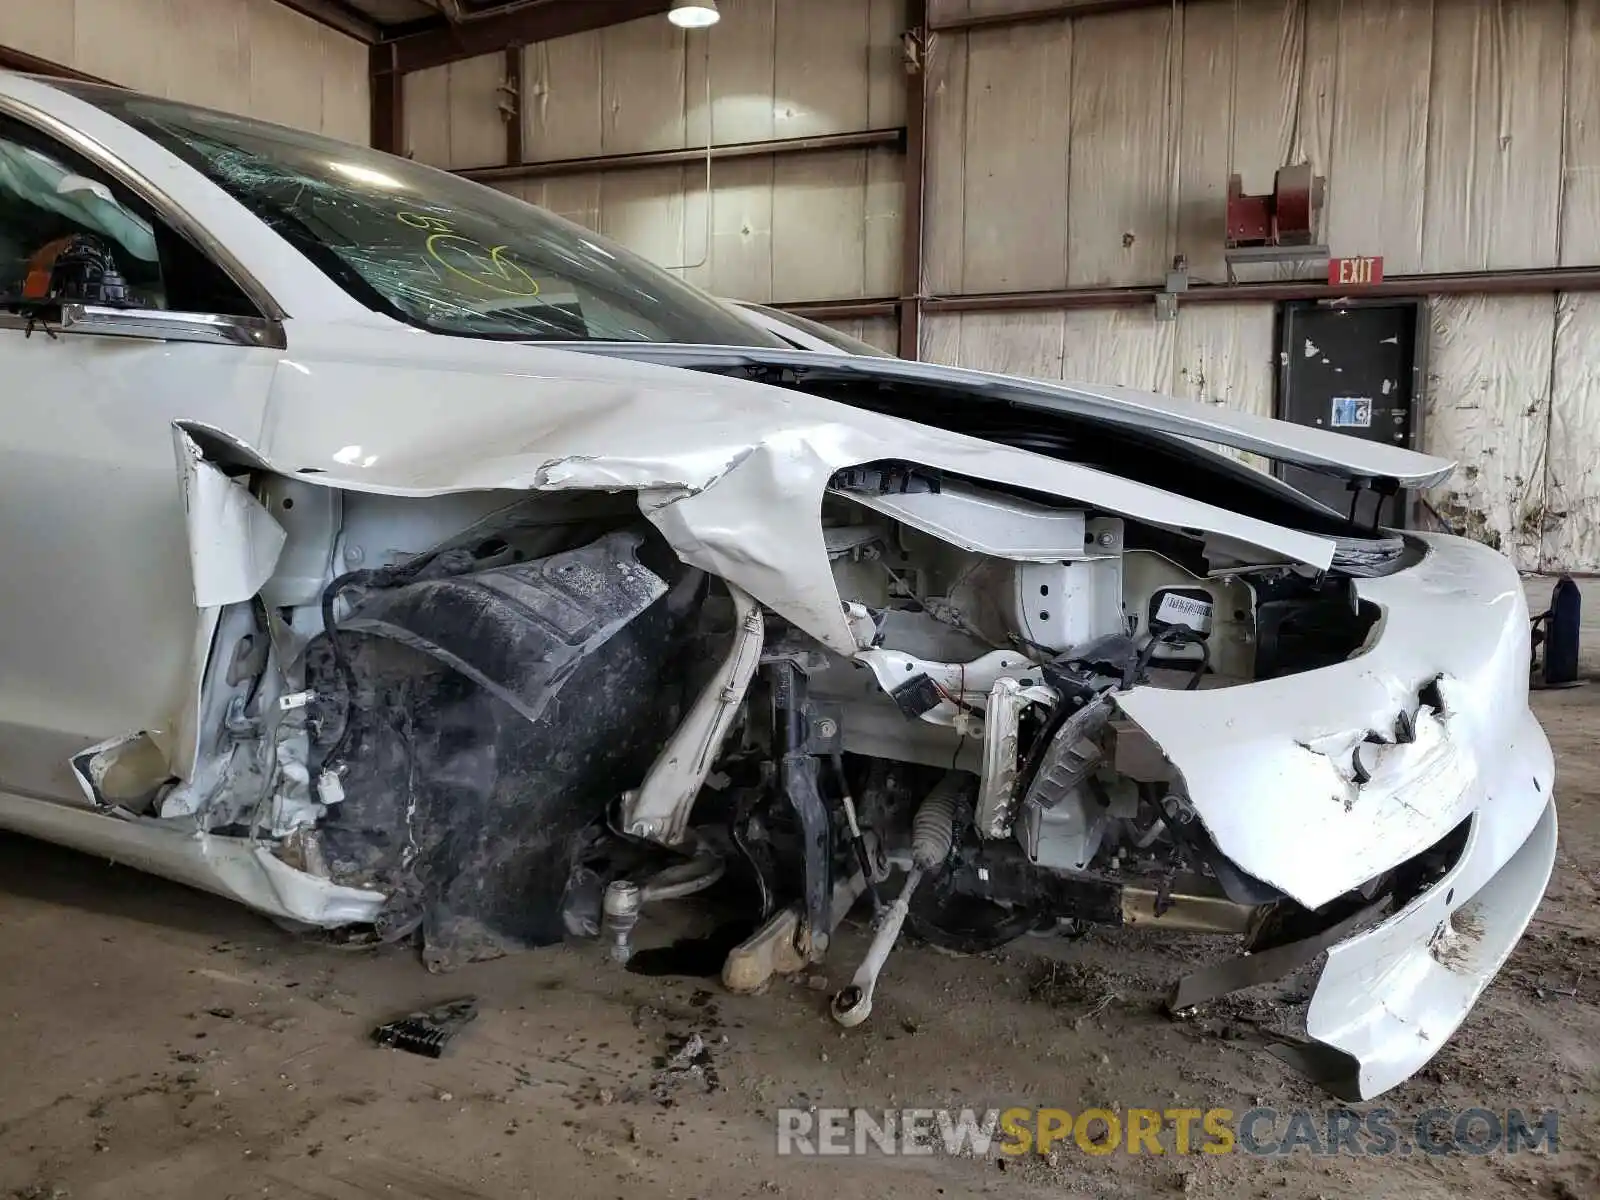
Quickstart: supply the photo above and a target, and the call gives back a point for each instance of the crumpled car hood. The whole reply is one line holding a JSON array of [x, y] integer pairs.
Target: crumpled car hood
[[1317, 450], [732, 473]]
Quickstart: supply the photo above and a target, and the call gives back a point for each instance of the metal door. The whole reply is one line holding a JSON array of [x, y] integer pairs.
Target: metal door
[[1352, 369]]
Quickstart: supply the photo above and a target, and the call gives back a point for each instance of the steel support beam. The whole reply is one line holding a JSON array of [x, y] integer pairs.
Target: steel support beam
[[32, 64], [388, 101], [892, 138], [519, 26], [841, 310], [513, 109], [1045, 12], [916, 174], [1482, 283], [336, 14]]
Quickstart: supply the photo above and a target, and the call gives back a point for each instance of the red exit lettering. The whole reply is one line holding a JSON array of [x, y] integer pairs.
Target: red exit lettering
[[1355, 272]]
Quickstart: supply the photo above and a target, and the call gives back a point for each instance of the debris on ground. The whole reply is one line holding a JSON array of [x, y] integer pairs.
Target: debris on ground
[[429, 1031], [688, 1060]]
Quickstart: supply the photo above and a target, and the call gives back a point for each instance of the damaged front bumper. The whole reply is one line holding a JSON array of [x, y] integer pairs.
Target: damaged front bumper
[[1318, 784], [1389, 997]]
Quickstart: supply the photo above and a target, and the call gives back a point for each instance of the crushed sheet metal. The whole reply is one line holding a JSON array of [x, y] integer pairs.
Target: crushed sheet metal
[[660, 808], [234, 542], [235, 868], [1389, 997], [732, 473], [1267, 767], [984, 522], [1302, 445]]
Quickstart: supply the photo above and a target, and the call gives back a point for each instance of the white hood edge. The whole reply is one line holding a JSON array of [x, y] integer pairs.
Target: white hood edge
[[1321, 450]]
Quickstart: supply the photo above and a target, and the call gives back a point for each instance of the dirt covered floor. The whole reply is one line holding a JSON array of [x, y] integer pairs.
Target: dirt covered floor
[[161, 1044]]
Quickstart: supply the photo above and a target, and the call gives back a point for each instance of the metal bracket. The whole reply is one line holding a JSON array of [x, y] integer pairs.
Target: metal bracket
[[798, 774]]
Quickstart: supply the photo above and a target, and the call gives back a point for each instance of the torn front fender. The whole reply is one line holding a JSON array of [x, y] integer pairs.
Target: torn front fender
[[1318, 782], [234, 542]]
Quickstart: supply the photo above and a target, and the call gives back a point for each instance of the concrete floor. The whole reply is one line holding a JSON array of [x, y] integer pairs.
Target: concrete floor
[[157, 1043]]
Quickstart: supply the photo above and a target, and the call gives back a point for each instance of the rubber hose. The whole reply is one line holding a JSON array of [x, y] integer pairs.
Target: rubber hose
[[933, 835], [933, 829]]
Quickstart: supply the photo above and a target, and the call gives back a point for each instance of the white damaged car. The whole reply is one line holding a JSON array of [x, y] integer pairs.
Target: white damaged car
[[384, 552]]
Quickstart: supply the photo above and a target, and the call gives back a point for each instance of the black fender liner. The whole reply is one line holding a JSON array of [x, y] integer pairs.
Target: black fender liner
[[497, 715]]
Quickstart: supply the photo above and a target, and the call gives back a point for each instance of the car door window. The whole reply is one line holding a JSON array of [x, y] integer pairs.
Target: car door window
[[54, 206]]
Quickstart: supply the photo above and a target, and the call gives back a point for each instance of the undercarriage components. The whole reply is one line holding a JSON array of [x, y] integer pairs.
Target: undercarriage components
[[1263, 966], [798, 777], [1186, 906], [1002, 716], [496, 716], [774, 948], [858, 840], [932, 838], [619, 913], [1062, 818], [659, 809], [853, 1004]]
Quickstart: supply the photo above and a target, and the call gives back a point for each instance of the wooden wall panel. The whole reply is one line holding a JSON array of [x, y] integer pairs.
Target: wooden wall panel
[[786, 229], [818, 218], [575, 197], [1024, 343], [477, 124], [642, 87], [133, 43], [644, 210], [1223, 355], [346, 88], [738, 59], [427, 115], [885, 65], [739, 265], [1266, 83], [1124, 346], [285, 66], [217, 53], [945, 190], [1121, 156], [882, 246], [820, 83], [1495, 135], [881, 332], [45, 30], [1018, 117], [561, 115], [1205, 136], [248, 56], [1376, 166]]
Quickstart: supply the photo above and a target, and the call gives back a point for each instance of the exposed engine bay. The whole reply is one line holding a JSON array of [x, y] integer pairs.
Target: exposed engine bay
[[495, 721]]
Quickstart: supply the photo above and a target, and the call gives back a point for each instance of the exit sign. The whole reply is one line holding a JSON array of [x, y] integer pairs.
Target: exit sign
[[1347, 272]]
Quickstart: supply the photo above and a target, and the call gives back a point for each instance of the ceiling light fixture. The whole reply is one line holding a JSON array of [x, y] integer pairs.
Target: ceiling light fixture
[[694, 14]]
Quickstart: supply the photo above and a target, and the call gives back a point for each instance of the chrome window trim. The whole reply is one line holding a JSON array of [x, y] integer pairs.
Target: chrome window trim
[[168, 209], [151, 324]]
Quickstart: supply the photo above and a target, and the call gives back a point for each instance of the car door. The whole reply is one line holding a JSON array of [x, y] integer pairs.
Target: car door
[[98, 624]]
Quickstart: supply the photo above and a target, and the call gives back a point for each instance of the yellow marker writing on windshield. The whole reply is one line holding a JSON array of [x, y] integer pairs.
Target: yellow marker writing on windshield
[[484, 266]]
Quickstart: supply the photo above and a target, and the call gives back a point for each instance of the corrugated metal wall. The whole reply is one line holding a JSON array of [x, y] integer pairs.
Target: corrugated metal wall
[[249, 56], [1456, 135], [805, 227]]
